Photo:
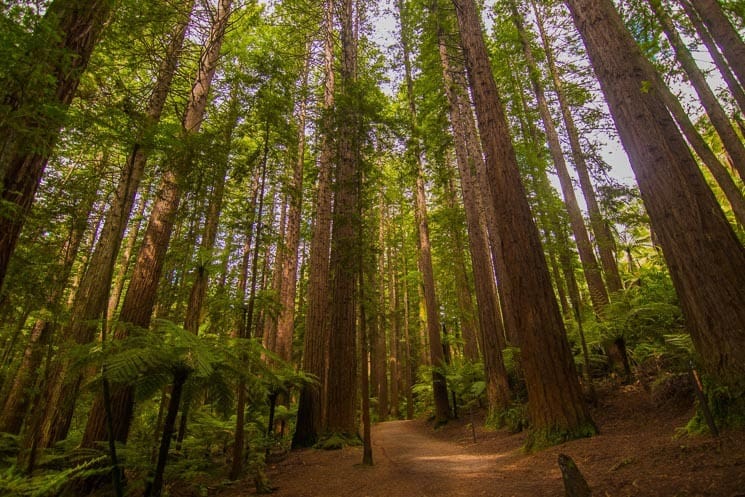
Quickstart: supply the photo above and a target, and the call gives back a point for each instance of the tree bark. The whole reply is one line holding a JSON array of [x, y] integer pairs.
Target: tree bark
[[556, 408], [590, 266], [705, 258], [731, 141], [139, 300], [315, 343], [737, 90], [490, 320], [345, 238], [291, 242], [725, 35], [61, 49], [432, 307], [718, 170], [603, 235]]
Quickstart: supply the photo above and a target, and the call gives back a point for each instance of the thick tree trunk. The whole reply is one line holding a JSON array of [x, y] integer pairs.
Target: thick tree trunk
[[490, 321], [556, 408], [705, 258], [91, 297], [342, 365], [725, 35], [731, 141], [315, 344], [62, 48], [139, 300]]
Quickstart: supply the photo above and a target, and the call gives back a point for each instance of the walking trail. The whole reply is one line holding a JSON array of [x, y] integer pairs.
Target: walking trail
[[637, 454]]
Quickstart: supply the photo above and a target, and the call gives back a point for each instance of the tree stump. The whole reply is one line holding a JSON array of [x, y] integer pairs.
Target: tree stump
[[574, 483]]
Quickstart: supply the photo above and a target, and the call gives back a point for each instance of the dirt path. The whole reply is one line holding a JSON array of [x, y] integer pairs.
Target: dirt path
[[636, 454], [433, 467]]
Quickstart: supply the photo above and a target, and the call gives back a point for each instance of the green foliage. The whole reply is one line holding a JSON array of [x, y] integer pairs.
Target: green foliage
[[337, 441], [48, 483], [541, 439]]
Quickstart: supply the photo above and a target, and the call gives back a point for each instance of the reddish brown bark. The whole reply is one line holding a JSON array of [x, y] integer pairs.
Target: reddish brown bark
[[556, 408], [705, 258], [61, 50], [312, 400]]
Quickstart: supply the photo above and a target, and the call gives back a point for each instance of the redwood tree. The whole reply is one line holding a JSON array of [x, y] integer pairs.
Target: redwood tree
[[556, 408], [56, 57], [705, 258]]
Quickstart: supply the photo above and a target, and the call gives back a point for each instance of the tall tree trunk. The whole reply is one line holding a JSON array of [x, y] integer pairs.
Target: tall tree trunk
[[367, 454], [731, 141], [432, 308], [603, 236], [490, 321], [315, 343], [556, 408], [248, 320], [91, 297], [139, 300], [590, 266], [725, 35], [737, 90], [718, 170], [58, 54], [25, 384], [198, 290], [466, 311], [705, 258], [291, 242], [379, 323], [394, 302], [342, 365]]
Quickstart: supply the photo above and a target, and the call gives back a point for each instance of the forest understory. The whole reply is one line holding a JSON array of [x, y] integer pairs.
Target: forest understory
[[641, 450]]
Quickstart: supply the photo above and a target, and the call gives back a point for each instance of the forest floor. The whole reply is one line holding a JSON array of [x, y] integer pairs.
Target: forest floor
[[639, 452]]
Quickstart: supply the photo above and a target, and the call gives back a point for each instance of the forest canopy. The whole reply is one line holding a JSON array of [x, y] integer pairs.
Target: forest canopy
[[231, 228]]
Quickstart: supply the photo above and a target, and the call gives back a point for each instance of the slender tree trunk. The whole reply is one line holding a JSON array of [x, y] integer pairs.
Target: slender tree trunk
[[725, 35], [556, 408], [289, 252], [59, 54], [315, 344], [27, 376], [737, 90], [395, 320], [705, 258], [410, 364], [90, 298], [436, 356], [603, 236], [718, 170], [367, 454], [139, 300], [154, 488], [245, 332], [590, 266], [731, 141], [466, 311]]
